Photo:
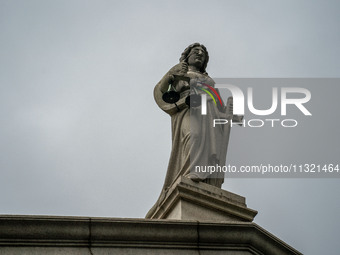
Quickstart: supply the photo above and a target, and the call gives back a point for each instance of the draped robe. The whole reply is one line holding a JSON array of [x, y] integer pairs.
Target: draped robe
[[195, 142]]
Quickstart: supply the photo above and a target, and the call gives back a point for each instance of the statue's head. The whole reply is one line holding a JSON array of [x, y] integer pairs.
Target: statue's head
[[198, 49]]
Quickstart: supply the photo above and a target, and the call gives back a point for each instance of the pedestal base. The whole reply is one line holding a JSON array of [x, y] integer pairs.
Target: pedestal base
[[189, 200]]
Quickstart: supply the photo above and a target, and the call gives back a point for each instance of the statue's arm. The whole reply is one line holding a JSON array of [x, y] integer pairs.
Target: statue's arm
[[163, 84], [237, 119], [180, 69]]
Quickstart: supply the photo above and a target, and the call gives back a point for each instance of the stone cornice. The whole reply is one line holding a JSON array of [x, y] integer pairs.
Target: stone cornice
[[59, 231]]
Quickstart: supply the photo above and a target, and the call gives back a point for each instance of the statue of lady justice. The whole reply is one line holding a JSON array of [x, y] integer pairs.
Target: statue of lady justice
[[196, 144]]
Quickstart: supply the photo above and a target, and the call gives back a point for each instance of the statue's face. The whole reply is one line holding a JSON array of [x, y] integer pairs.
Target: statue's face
[[197, 57]]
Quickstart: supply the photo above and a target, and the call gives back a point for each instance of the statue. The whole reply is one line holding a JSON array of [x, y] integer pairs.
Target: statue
[[195, 142]]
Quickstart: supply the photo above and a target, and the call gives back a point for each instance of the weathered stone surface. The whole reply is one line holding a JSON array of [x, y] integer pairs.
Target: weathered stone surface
[[196, 143], [48, 235], [189, 200]]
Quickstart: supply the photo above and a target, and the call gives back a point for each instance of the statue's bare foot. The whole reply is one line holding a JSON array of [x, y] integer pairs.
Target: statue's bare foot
[[194, 178]]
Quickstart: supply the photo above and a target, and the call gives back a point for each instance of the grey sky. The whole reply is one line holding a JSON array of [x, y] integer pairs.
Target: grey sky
[[80, 132]]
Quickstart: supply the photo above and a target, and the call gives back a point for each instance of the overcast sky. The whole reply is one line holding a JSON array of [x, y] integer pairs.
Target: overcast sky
[[80, 133]]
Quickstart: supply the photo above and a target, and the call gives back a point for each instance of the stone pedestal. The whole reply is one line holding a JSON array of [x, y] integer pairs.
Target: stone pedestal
[[189, 200]]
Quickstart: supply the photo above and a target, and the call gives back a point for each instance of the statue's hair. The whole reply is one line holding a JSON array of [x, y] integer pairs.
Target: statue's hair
[[185, 55]]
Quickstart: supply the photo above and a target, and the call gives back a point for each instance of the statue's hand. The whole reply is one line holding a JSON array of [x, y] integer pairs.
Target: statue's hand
[[179, 69], [229, 108]]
